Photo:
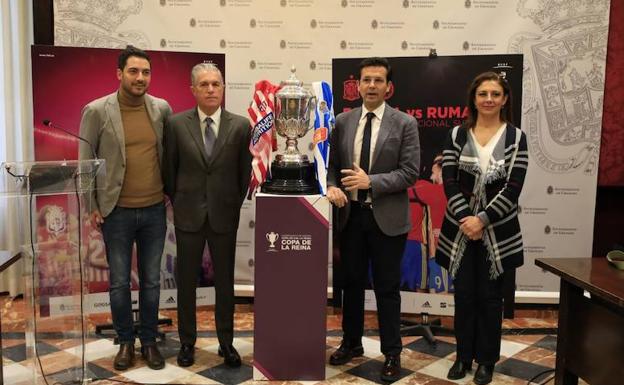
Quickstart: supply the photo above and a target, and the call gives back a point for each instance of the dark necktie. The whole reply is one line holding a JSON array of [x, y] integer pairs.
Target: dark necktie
[[365, 153], [209, 137]]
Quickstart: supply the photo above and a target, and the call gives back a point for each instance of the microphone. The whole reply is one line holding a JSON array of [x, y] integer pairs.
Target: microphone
[[45, 178], [48, 123]]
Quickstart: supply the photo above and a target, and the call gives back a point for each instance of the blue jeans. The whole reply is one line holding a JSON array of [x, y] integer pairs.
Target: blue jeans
[[121, 229]]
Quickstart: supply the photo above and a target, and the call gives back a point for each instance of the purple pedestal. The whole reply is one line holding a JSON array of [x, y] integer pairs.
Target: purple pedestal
[[292, 240]]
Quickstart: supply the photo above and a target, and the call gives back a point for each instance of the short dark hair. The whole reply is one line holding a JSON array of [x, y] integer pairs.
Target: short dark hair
[[376, 62], [506, 113], [128, 52]]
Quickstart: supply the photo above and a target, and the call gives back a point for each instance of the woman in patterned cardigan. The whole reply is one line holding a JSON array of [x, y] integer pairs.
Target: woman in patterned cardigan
[[484, 165]]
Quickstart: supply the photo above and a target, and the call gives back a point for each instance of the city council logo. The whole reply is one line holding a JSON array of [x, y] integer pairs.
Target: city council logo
[[222, 43], [163, 43], [404, 44], [252, 23], [193, 22], [374, 24], [313, 23], [467, 4], [312, 65], [343, 44], [466, 46], [436, 24], [344, 3], [405, 3], [163, 2], [252, 64], [222, 3]]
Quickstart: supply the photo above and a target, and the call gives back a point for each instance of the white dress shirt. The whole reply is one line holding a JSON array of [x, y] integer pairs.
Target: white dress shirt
[[359, 136]]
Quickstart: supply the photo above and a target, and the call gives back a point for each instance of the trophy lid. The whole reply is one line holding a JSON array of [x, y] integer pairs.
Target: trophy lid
[[293, 87]]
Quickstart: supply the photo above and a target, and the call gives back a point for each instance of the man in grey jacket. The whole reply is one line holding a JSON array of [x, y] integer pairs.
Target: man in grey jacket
[[125, 128], [374, 159]]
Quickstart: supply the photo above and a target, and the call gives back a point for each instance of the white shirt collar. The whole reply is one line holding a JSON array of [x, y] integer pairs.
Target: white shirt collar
[[379, 111], [216, 116]]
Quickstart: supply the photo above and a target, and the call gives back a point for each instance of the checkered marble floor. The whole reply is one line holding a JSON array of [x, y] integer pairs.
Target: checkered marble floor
[[528, 348], [522, 357]]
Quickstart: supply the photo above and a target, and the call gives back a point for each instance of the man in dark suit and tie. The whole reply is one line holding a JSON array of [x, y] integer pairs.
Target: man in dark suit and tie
[[207, 166], [374, 159]]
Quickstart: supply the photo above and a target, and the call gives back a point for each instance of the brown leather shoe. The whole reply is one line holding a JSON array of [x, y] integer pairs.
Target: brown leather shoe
[[345, 353], [230, 356], [125, 357], [152, 356], [391, 370]]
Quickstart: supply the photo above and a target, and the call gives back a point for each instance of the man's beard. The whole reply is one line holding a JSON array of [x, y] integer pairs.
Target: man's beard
[[130, 90]]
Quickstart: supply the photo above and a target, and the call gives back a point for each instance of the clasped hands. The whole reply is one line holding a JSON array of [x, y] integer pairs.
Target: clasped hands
[[352, 179], [472, 227]]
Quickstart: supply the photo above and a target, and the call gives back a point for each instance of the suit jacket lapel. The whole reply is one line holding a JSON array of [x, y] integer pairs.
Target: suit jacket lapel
[[384, 131], [154, 115], [157, 123], [194, 128], [113, 111], [224, 132], [352, 125]]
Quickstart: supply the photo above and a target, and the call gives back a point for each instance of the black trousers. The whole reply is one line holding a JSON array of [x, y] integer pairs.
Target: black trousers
[[362, 241], [190, 247], [478, 308]]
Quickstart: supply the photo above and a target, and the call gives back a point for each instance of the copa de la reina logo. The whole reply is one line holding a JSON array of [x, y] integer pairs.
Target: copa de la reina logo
[[288, 242]]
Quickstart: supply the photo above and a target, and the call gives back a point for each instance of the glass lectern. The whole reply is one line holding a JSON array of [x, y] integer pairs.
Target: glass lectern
[[49, 203]]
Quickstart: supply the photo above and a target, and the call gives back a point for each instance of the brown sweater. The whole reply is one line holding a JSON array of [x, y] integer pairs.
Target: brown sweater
[[142, 186]]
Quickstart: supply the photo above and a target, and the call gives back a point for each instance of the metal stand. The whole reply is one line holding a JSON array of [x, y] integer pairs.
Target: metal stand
[[425, 328]]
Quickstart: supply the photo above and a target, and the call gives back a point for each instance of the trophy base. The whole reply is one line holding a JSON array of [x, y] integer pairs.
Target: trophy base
[[291, 179]]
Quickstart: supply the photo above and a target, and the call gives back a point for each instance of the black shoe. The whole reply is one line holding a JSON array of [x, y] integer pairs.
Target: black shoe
[[152, 356], [345, 353], [391, 370], [483, 375], [230, 356], [125, 357], [458, 370], [186, 355]]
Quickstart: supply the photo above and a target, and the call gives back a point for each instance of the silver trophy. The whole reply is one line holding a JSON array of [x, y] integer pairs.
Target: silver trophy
[[291, 171]]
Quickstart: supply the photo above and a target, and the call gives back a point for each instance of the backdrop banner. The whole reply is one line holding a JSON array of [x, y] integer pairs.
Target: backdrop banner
[[563, 43], [433, 90], [65, 79]]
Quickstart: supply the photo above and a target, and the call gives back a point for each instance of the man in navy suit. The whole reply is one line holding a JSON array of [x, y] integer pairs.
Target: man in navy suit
[[374, 159]]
